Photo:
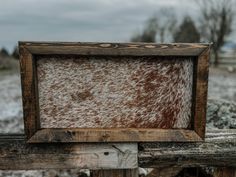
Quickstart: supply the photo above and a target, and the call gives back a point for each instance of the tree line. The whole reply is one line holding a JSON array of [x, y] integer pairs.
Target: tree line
[[214, 24], [4, 53]]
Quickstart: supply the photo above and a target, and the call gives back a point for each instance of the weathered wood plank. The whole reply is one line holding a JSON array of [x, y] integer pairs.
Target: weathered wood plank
[[219, 149], [117, 49], [29, 90], [200, 102], [114, 135], [15, 154]]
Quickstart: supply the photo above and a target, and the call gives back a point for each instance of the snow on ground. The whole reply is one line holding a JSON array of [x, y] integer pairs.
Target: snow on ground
[[11, 113], [221, 114], [10, 97], [222, 85]]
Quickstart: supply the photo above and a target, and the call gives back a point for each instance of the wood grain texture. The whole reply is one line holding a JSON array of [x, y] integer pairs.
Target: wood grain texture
[[16, 155], [29, 92], [219, 149], [115, 49], [114, 92], [200, 98], [113, 135]]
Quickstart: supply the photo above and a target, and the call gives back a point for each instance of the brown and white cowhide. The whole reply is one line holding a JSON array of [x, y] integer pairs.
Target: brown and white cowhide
[[120, 92]]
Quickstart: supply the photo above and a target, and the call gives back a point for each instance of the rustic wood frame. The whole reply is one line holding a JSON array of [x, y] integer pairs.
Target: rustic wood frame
[[34, 134]]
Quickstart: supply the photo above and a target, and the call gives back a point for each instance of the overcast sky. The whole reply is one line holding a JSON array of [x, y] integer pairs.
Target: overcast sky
[[80, 20]]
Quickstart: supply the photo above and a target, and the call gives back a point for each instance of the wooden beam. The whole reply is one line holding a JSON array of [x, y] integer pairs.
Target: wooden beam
[[15, 154], [219, 149]]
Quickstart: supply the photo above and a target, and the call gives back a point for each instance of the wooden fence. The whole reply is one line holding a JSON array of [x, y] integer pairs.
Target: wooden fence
[[218, 149]]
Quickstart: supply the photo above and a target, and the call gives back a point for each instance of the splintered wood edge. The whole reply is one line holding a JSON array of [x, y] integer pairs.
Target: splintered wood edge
[[113, 135], [115, 49]]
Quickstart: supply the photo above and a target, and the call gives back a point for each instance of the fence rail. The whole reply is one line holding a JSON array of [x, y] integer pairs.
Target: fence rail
[[219, 149]]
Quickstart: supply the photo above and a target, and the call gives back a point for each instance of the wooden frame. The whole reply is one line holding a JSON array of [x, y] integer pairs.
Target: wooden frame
[[35, 134]]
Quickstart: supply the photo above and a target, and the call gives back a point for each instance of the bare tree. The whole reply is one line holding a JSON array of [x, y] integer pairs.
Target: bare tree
[[216, 23], [149, 32], [166, 23], [157, 27], [187, 32]]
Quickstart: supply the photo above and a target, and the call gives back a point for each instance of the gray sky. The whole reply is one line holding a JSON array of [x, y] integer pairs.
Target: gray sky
[[80, 20]]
